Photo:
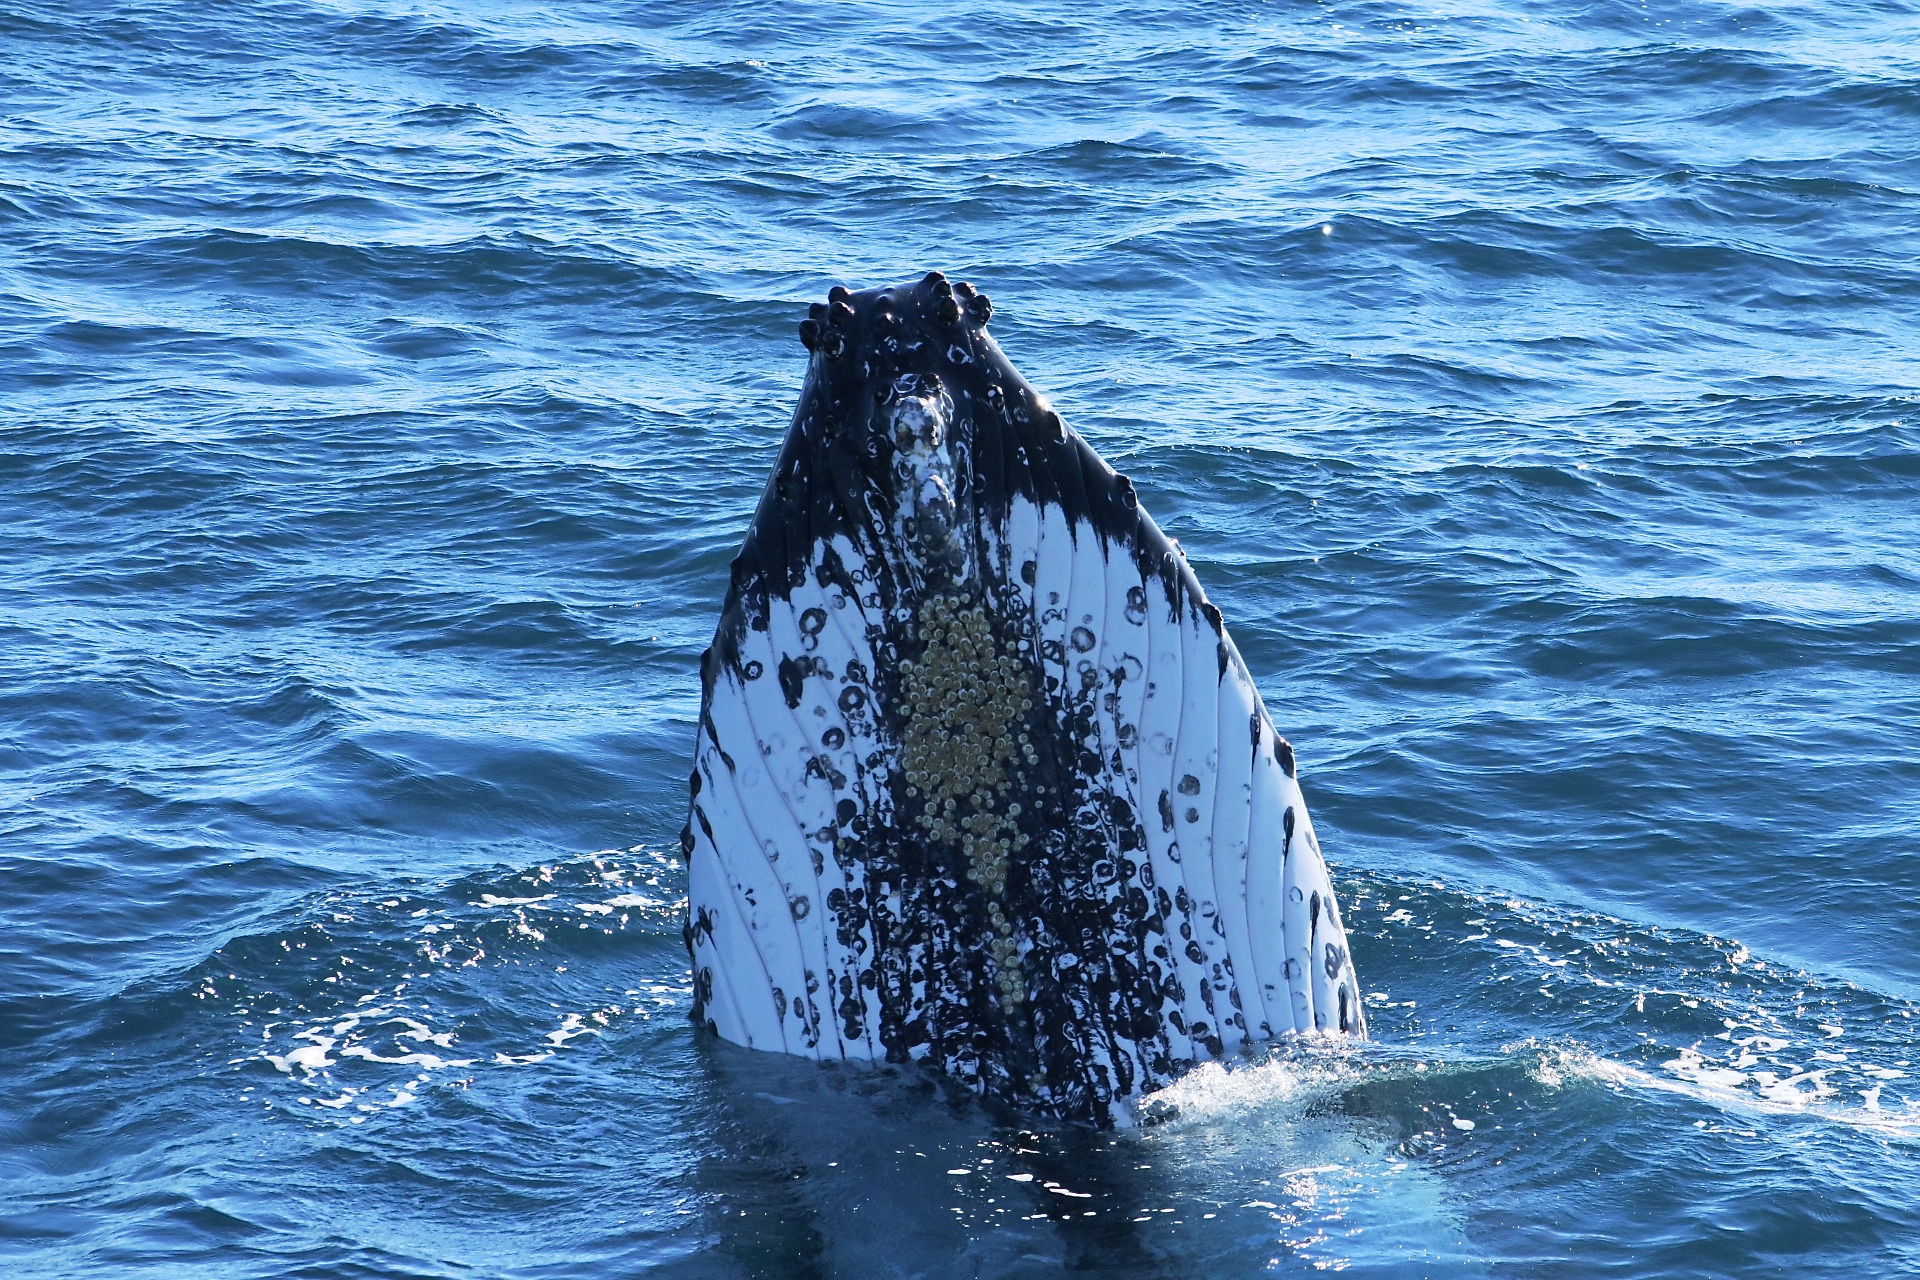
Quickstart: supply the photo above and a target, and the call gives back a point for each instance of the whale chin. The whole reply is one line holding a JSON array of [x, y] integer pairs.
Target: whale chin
[[980, 779]]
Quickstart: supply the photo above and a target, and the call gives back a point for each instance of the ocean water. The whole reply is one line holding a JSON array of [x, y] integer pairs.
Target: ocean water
[[387, 386]]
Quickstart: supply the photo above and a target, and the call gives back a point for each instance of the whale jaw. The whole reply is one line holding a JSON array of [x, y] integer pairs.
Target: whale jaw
[[980, 779]]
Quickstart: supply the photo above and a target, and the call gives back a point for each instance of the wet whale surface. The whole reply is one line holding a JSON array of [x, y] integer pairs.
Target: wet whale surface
[[980, 778]]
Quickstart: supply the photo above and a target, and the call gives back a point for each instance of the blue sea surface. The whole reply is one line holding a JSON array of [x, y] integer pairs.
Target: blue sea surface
[[388, 385]]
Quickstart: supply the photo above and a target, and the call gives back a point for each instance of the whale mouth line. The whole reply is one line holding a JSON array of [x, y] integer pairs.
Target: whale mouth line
[[980, 779]]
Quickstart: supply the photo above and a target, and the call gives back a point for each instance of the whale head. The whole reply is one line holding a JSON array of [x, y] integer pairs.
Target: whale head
[[980, 779]]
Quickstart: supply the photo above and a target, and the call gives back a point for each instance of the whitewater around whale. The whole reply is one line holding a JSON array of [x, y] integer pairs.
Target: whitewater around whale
[[980, 779]]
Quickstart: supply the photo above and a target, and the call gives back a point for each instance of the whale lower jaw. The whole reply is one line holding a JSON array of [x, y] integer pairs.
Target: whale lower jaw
[[981, 780]]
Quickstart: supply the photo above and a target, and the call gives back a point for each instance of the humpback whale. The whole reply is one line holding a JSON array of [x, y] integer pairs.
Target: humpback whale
[[980, 781]]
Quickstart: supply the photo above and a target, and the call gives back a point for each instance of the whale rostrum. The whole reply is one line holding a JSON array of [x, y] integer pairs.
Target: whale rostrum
[[980, 780]]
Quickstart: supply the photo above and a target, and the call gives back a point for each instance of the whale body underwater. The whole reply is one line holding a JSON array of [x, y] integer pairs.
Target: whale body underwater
[[980, 780]]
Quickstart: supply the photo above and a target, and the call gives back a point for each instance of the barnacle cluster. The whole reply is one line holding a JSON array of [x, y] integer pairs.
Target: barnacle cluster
[[967, 704]]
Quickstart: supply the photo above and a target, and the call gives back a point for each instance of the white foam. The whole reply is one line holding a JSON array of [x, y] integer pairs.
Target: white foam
[[570, 1028], [1730, 1090], [1212, 1091], [421, 1031], [309, 1058]]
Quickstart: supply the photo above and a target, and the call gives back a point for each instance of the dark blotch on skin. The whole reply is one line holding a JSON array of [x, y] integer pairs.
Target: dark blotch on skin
[[792, 680]]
